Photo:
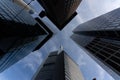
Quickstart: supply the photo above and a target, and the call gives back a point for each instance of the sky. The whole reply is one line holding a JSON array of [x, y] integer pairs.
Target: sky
[[88, 9]]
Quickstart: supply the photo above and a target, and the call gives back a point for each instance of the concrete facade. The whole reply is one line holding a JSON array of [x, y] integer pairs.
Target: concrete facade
[[59, 67]]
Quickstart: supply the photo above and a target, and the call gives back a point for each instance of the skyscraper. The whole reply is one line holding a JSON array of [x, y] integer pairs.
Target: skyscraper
[[100, 38], [20, 34], [60, 12], [58, 67]]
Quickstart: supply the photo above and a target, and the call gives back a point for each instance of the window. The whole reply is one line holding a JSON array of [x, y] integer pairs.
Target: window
[[48, 64], [105, 51]]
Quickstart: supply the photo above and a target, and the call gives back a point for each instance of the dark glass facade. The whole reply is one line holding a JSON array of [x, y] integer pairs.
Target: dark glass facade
[[59, 67], [13, 15], [101, 38], [106, 52], [20, 34], [60, 12], [12, 12]]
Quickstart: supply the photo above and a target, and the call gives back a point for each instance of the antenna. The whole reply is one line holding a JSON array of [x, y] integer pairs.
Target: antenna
[[61, 49]]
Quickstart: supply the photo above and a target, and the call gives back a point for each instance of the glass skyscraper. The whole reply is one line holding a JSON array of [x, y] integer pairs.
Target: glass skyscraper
[[60, 12], [20, 34], [58, 66], [100, 38]]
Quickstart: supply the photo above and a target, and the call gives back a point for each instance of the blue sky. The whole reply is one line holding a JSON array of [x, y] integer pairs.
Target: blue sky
[[88, 9]]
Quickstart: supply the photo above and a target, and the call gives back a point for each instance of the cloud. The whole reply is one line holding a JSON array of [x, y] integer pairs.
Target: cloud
[[81, 61], [30, 66], [32, 62], [88, 10], [104, 6], [79, 19], [51, 45], [91, 9], [25, 68]]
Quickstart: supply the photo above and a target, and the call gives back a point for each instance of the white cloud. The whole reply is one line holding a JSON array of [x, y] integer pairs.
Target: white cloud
[[52, 44], [81, 61], [103, 6], [34, 59], [30, 66], [96, 7], [79, 19], [90, 9]]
